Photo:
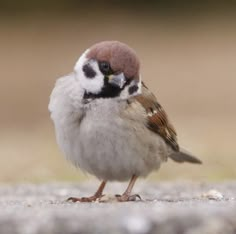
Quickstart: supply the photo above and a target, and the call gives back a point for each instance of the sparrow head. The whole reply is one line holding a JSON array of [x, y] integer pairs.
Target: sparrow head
[[109, 69]]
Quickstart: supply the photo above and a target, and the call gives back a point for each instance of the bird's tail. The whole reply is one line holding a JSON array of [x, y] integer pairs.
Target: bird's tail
[[184, 156]]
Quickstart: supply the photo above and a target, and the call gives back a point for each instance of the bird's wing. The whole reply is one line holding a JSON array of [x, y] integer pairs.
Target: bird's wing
[[157, 118], [158, 122]]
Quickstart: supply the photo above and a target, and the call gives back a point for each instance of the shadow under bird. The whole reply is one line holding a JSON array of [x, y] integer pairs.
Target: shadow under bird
[[107, 121]]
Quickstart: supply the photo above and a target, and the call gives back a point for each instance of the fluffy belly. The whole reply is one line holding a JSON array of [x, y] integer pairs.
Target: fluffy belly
[[116, 151]]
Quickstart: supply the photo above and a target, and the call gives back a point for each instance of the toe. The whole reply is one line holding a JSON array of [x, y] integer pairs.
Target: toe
[[125, 198], [82, 199], [73, 199]]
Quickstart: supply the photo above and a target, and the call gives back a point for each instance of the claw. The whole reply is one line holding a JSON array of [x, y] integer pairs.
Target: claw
[[133, 197], [125, 197], [73, 199]]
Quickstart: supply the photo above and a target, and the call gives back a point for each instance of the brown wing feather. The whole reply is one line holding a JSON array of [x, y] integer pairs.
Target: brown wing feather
[[157, 118]]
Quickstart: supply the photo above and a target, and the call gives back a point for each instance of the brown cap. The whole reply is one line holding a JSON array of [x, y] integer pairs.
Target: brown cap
[[120, 56]]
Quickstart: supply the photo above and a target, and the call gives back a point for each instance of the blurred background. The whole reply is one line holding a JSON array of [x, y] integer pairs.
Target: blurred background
[[188, 54]]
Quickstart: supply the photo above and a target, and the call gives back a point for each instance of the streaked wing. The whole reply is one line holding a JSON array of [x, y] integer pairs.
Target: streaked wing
[[157, 118]]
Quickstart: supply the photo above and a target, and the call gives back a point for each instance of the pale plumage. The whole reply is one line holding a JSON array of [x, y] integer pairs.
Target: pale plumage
[[108, 123]]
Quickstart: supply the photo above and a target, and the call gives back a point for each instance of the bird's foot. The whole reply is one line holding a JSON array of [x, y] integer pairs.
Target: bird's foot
[[125, 197], [84, 199]]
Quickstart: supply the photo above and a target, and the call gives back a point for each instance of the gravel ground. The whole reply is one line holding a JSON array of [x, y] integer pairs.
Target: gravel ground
[[179, 207]]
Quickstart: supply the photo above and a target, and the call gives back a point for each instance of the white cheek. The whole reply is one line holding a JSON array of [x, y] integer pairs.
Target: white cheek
[[92, 85]]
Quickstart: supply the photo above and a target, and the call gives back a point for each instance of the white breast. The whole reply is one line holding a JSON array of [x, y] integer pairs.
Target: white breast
[[114, 147], [102, 139], [66, 113]]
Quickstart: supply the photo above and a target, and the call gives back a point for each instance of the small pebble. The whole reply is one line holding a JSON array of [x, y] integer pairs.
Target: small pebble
[[213, 195]]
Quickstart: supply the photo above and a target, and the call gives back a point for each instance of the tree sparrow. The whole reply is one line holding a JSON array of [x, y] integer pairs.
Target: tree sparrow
[[107, 121]]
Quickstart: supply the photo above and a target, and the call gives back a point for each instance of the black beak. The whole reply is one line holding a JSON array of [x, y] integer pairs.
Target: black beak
[[117, 80]]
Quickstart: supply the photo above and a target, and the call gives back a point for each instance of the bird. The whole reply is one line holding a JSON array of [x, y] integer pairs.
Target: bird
[[108, 123]]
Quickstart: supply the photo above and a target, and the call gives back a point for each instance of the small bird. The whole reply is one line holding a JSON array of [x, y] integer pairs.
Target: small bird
[[108, 123]]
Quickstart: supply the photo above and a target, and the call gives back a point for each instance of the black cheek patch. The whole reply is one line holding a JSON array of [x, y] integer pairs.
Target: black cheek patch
[[133, 89], [88, 71]]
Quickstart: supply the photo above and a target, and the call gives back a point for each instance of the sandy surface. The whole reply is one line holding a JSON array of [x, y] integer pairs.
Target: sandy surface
[[178, 207]]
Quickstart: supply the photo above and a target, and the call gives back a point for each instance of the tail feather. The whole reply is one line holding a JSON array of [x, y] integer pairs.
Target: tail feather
[[184, 156]]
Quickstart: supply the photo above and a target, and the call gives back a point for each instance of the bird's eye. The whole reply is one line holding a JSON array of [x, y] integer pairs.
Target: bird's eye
[[105, 67]]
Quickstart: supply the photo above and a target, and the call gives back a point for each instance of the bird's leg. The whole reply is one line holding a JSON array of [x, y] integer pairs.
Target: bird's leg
[[126, 196], [96, 196]]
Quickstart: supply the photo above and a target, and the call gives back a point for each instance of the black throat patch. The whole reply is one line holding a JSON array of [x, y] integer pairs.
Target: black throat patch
[[108, 91]]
